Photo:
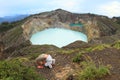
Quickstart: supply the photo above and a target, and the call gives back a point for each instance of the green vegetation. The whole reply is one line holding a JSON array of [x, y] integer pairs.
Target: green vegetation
[[5, 26], [91, 72], [91, 48], [116, 45], [117, 19], [66, 51], [33, 56], [77, 58], [100, 47], [18, 69], [97, 47]]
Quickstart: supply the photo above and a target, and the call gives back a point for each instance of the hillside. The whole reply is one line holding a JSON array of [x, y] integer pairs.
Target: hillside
[[95, 26], [103, 47]]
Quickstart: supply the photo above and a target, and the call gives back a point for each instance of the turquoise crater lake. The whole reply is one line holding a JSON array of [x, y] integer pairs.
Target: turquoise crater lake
[[57, 36]]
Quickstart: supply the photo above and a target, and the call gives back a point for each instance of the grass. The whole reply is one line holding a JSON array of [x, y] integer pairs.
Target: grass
[[12, 36], [33, 56], [97, 47], [116, 44], [65, 51], [77, 58], [91, 72], [15, 70]]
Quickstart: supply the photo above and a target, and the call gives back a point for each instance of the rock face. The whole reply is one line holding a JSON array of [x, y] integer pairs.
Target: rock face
[[57, 18], [93, 26]]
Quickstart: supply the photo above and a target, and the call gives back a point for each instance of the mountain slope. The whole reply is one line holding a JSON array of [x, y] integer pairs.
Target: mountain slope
[[95, 26], [103, 47]]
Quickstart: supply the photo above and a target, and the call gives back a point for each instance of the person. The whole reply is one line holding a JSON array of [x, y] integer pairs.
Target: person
[[45, 60]]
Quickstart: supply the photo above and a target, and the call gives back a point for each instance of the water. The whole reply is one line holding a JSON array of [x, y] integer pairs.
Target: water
[[76, 24], [57, 36]]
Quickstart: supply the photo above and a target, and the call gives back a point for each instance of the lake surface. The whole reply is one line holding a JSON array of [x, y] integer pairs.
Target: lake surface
[[57, 36], [76, 24]]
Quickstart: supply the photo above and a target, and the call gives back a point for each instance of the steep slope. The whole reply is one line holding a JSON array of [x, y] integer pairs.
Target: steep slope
[[94, 26], [117, 21], [15, 44]]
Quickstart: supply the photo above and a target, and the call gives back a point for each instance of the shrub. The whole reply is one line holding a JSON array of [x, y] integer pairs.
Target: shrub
[[91, 72], [15, 70], [65, 51], [33, 56], [101, 47], [77, 58], [97, 47], [88, 49], [116, 45], [4, 26], [102, 70]]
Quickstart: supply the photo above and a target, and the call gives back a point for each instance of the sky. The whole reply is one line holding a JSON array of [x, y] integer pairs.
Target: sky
[[108, 8]]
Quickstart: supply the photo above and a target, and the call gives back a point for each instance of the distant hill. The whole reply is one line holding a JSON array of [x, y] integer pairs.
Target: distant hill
[[12, 18]]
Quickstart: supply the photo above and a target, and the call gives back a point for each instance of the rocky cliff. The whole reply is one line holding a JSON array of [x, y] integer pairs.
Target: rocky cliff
[[94, 26]]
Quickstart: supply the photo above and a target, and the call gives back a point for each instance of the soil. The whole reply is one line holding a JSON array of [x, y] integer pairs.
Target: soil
[[64, 68], [109, 57]]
